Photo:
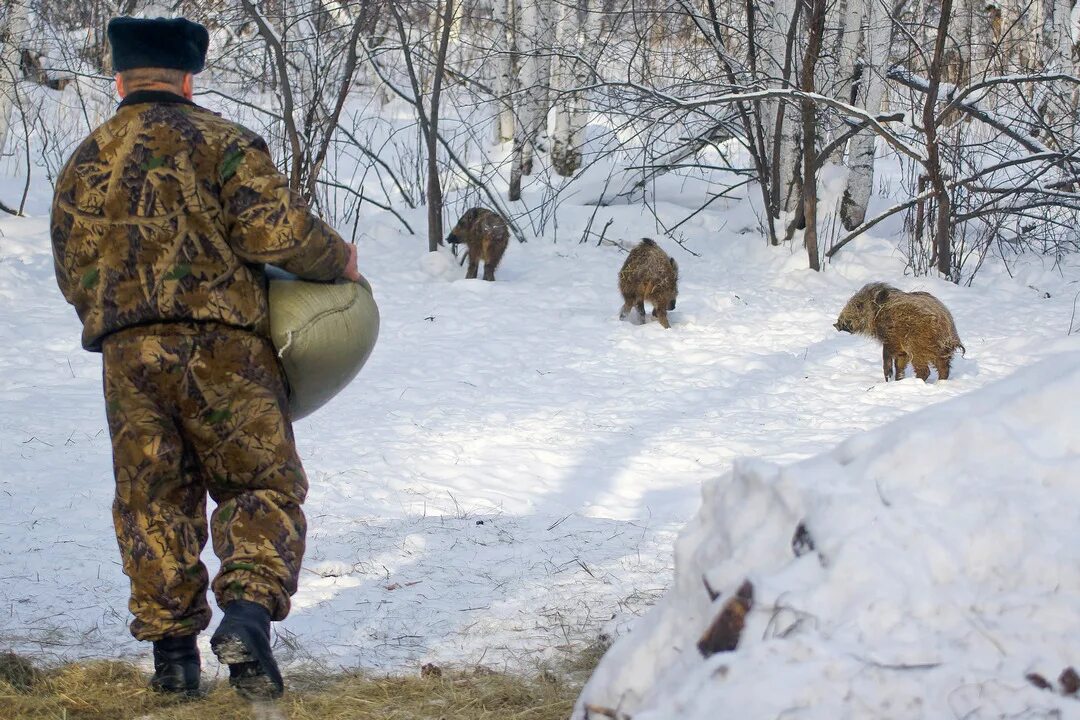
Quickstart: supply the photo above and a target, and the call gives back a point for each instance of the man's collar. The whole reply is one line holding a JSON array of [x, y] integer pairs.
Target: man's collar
[[154, 96]]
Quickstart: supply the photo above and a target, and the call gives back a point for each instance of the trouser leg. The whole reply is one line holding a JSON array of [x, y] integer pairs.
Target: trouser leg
[[159, 510], [244, 441]]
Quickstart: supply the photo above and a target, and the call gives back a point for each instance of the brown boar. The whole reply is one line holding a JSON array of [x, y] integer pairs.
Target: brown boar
[[649, 274], [913, 327], [486, 235]]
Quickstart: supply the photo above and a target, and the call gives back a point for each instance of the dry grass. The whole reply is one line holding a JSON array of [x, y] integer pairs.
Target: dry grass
[[117, 691]]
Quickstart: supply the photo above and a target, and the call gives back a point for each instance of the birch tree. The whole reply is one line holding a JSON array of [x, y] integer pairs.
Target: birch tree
[[1056, 48], [503, 47], [869, 34], [779, 32], [14, 27], [571, 73], [530, 110]]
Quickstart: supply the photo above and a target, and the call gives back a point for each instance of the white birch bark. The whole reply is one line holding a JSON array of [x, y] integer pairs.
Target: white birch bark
[[848, 61], [528, 95], [14, 26], [571, 111], [503, 39], [544, 46], [783, 141], [873, 50], [1057, 99], [958, 58]]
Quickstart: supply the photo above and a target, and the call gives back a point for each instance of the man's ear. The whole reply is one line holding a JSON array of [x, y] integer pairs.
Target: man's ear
[[120, 86], [189, 86]]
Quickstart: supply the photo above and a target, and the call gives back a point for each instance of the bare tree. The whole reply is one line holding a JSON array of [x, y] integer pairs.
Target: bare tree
[[428, 113], [943, 226], [815, 34]]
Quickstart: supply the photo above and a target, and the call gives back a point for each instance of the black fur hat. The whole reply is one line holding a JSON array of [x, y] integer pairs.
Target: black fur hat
[[175, 43]]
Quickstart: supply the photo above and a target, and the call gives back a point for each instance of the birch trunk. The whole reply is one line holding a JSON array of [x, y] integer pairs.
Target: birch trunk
[[849, 65], [1057, 99], [781, 122], [873, 50], [530, 113], [570, 105], [503, 37], [14, 26], [544, 46]]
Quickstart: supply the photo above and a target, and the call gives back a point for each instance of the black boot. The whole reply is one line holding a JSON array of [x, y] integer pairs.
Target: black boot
[[176, 666], [242, 641]]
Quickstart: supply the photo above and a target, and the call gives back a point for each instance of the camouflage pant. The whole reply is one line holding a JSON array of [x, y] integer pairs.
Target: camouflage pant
[[195, 410]]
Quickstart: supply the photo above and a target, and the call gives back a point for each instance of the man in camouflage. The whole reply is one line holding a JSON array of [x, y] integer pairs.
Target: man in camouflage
[[162, 222]]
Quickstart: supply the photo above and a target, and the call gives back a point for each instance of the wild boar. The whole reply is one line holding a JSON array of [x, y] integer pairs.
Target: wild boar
[[486, 235], [913, 327], [649, 274]]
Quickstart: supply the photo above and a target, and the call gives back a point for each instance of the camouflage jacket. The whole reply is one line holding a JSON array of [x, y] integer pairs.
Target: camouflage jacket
[[167, 212]]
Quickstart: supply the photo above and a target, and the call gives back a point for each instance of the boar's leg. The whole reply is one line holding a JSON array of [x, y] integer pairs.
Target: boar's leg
[[888, 362], [489, 271], [474, 265], [661, 315], [944, 366], [922, 370], [625, 312], [902, 359]]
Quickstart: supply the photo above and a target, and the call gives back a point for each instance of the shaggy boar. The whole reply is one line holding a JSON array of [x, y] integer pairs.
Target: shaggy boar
[[649, 274], [486, 236], [913, 327]]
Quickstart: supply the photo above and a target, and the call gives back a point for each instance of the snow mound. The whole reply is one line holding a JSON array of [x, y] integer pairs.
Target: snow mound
[[938, 568], [438, 264]]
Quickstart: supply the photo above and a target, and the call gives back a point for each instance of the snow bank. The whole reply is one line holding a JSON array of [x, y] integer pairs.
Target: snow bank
[[945, 570]]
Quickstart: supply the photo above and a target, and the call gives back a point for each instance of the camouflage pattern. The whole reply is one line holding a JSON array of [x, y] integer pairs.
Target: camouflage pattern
[[195, 409], [167, 212]]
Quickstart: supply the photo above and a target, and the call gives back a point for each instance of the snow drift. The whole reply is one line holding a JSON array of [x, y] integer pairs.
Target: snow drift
[[938, 574]]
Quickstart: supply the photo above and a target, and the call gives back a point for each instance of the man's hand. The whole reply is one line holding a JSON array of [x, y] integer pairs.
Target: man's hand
[[351, 271]]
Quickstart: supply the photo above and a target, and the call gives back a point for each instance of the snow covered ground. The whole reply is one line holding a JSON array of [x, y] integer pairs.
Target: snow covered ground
[[946, 571], [508, 473]]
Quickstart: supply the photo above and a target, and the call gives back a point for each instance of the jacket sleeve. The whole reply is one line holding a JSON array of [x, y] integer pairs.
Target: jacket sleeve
[[266, 222]]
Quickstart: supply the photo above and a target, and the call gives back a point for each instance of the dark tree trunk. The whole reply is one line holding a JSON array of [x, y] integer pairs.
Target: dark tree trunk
[[943, 220], [809, 132], [434, 185]]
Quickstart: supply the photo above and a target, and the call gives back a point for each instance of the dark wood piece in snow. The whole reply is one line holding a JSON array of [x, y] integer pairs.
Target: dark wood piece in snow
[[723, 635]]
